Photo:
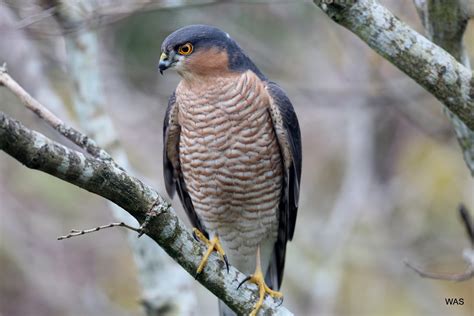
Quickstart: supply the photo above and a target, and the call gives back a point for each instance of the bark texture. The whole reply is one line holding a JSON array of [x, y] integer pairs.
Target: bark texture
[[445, 23], [166, 288], [429, 65], [36, 151]]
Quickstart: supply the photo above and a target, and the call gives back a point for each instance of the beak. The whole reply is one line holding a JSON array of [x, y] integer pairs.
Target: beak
[[165, 63]]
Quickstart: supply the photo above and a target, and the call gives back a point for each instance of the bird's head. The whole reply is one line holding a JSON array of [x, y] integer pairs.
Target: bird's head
[[203, 50]]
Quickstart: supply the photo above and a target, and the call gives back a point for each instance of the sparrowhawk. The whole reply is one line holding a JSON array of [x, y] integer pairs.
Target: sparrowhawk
[[232, 151]]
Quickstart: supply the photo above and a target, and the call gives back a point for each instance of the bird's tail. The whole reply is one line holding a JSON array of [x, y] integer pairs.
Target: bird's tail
[[224, 310]]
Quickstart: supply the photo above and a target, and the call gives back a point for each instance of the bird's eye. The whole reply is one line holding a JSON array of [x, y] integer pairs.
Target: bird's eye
[[185, 49]]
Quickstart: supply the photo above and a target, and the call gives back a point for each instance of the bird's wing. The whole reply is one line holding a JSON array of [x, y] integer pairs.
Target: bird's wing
[[174, 180], [285, 124]]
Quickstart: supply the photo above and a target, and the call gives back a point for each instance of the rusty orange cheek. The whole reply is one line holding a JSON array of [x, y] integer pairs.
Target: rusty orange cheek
[[207, 62]]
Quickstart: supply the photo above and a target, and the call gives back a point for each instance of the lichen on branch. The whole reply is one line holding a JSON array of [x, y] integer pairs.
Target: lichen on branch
[[426, 63], [104, 178]]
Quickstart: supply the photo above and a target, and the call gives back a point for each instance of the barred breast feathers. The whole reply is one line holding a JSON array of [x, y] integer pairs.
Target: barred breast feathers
[[229, 154]]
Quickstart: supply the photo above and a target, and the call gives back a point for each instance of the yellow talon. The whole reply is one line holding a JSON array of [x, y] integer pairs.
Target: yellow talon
[[259, 280], [213, 244]]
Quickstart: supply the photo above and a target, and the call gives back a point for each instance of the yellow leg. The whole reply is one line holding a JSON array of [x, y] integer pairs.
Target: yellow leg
[[213, 244], [259, 279]]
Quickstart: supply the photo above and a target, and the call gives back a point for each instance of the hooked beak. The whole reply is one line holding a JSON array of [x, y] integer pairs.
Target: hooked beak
[[165, 63]]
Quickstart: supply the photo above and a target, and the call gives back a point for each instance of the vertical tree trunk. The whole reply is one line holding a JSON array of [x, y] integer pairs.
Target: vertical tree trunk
[[166, 288], [445, 23]]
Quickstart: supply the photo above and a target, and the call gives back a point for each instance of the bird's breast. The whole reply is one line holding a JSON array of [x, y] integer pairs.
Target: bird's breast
[[229, 155]]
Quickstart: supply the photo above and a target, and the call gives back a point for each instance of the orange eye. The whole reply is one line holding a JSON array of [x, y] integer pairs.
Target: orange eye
[[185, 49]]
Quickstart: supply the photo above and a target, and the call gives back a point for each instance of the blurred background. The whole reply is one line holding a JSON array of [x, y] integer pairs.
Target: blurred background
[[383, 174]]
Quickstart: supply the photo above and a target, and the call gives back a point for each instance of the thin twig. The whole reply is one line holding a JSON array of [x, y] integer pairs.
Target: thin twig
[[31, 103], [35, 18], [468, 255], [40, 153], [458, 277], [75, 232], [44, 113], [467, 221]]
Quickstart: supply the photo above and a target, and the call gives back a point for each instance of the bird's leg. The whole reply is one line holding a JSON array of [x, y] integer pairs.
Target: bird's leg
[[213, 244], [259, 279]]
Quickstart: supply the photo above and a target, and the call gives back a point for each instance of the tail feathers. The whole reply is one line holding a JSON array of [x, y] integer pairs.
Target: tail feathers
[[224, 310], [272, 277]]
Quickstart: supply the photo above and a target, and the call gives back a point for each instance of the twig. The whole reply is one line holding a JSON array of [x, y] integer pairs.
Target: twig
[[35, 18], [75, 232], [38, 152], [467, 221], [468, 255], [41, 111], [458, 277], [89, 104]]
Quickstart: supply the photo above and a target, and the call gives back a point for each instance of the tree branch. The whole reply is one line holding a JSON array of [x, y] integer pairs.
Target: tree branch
[[458, 277], [468, 254], [92, 14], [445, 24], [38, 152], [468, 223], [166, 289], [427, 64], [32, 104]]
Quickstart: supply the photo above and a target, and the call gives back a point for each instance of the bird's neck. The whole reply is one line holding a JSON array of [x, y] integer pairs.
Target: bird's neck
[[201, 82]]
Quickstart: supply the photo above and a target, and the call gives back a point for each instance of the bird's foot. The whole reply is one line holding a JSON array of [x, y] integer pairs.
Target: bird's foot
[[259, 279], [212, 245]]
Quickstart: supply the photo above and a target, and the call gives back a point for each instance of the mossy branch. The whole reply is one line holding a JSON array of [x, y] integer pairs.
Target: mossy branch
[[104, 178], [429, 65], [445, 23]]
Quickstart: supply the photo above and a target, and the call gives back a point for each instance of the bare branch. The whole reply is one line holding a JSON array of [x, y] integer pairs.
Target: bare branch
[[427, 64], [468, 255], [35, 18], [75, 232], [70, 133], [85, 15], [445, 24], [458, 277], [84, 50], [468, 224], [31, 103], [105, 179]]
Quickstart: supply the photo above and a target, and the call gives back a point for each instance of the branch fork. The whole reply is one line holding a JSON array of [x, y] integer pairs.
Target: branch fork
[[98, 173]]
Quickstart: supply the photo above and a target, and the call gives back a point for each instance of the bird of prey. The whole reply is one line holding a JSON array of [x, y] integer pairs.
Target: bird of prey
[[232, 151]]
